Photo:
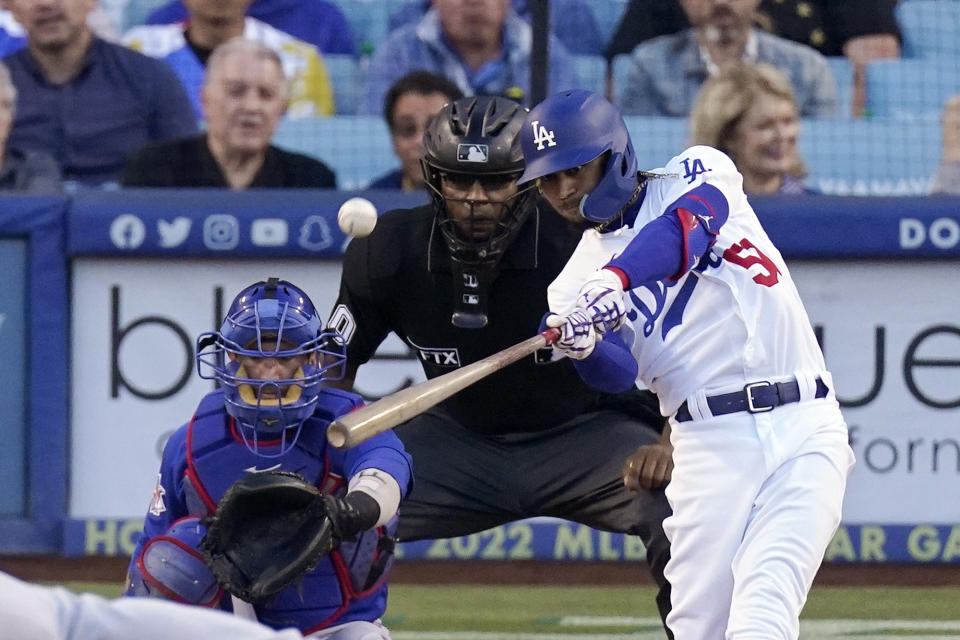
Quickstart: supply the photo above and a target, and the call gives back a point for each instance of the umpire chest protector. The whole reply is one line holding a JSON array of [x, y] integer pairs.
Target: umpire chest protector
[[346, 585]]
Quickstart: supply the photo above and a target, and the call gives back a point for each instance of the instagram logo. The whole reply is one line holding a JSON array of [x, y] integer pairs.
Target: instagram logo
[[221, 232]]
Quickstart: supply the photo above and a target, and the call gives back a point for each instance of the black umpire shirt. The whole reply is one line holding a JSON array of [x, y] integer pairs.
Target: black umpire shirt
[[399, 279]]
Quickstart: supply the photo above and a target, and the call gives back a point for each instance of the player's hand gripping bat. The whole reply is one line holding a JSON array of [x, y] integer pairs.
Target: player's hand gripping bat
[[386, 413]]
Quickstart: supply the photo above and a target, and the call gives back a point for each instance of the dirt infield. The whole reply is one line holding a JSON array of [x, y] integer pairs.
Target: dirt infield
[[107, 569]]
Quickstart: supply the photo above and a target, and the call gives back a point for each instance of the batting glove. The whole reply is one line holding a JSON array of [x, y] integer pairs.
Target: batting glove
[[577, 334], [601, 296]]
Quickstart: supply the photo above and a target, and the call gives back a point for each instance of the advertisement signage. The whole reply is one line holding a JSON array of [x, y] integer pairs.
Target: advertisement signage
[[890, 333]]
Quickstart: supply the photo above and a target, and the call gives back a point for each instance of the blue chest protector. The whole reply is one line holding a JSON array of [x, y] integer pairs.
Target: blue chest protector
[[350, 583]]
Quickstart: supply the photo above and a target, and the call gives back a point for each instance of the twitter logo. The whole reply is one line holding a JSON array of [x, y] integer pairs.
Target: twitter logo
[[173, 234]]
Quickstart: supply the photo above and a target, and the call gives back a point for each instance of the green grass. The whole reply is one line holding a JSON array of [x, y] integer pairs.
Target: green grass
[[539, 608], [506, 608], [884, 603]]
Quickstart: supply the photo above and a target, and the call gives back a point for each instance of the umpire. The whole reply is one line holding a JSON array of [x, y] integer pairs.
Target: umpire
[[465, 277]]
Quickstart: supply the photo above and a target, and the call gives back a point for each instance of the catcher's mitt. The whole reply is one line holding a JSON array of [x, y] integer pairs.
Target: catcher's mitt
[[269, 529]]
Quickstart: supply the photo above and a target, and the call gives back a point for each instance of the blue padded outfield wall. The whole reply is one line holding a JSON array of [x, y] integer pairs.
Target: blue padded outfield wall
[[105, 293]]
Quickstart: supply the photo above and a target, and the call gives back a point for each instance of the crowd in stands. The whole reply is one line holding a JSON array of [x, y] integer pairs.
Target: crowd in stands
[[243, 97], [407, 108], [187, 45], [947, 179], [749, 112], [92, 100]]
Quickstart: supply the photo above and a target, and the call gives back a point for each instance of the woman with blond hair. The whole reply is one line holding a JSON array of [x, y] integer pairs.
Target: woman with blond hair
[[748, 111]]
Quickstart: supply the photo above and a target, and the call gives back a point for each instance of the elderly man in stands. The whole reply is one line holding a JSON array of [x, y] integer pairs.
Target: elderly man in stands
[[482, 46], [85, 101], [244, 97], [666, 73], [186, 47]]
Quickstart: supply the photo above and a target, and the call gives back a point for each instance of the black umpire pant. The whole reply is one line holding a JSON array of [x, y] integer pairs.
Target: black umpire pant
[[465, 482]]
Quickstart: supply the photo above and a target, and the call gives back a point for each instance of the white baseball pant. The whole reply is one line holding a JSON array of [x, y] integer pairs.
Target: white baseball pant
[[756, 499]]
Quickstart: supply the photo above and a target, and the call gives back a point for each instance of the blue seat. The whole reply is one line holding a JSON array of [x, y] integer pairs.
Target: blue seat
[[608, 14], [843, 157], [911, 87], [621, 69], [880, 156], [929, 27], [842, 70], [656, 139], [357, 148], [368, 21], [136, 12], [347, 80], [591, 71]]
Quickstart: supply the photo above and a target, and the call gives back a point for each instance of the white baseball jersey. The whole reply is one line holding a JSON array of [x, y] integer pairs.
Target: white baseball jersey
[[53, 613], [755, 496], [736, 317]]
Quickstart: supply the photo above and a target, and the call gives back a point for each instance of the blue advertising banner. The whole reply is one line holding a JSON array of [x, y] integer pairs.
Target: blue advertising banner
[[202, 222], [13, 337], [559, 540], [304, 224]]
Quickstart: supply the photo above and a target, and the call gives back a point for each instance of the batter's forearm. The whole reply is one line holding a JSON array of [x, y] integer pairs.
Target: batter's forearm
[[611, 368]]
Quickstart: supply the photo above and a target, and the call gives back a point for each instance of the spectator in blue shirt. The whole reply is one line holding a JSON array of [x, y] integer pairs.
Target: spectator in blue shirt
[[483, 47], [571, 21], [408, 108], [666, 73], [85, 101], [319, 22], [22, 171]]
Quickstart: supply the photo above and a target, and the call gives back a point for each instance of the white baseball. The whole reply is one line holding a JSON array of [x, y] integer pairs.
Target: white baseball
[[357, 217]]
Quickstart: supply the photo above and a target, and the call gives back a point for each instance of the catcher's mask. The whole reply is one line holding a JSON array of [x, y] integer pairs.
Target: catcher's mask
[[271, 326], [569, 130], [473, 141]]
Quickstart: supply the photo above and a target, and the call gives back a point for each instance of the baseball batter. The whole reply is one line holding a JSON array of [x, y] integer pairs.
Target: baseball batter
[[675, 283], [466, 277], [273, 363]]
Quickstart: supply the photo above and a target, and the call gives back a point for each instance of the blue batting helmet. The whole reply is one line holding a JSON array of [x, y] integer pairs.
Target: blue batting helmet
[[271, 319], [572, 128]]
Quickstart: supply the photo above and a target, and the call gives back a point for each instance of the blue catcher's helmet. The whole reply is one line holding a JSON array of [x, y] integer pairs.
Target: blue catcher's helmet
[[272, 319], [572, 128]]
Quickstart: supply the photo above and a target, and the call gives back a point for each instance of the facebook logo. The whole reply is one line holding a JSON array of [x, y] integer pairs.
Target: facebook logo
[[127, 231]]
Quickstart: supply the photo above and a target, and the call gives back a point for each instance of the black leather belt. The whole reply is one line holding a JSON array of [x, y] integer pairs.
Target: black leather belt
[[756, 397]]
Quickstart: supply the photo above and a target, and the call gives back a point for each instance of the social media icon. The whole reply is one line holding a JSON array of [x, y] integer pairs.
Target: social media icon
[[127, 231], [315, 233], [173, 234], [221, 232], [269, 232]]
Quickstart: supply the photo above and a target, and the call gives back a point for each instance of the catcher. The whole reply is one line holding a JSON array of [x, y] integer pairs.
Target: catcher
[[252, 511]]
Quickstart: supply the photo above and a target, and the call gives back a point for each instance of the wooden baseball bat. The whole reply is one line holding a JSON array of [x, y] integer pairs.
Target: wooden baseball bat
[[386, 413]]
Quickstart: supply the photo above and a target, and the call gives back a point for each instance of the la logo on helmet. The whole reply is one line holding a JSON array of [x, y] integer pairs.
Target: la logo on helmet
[[541, 135]]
